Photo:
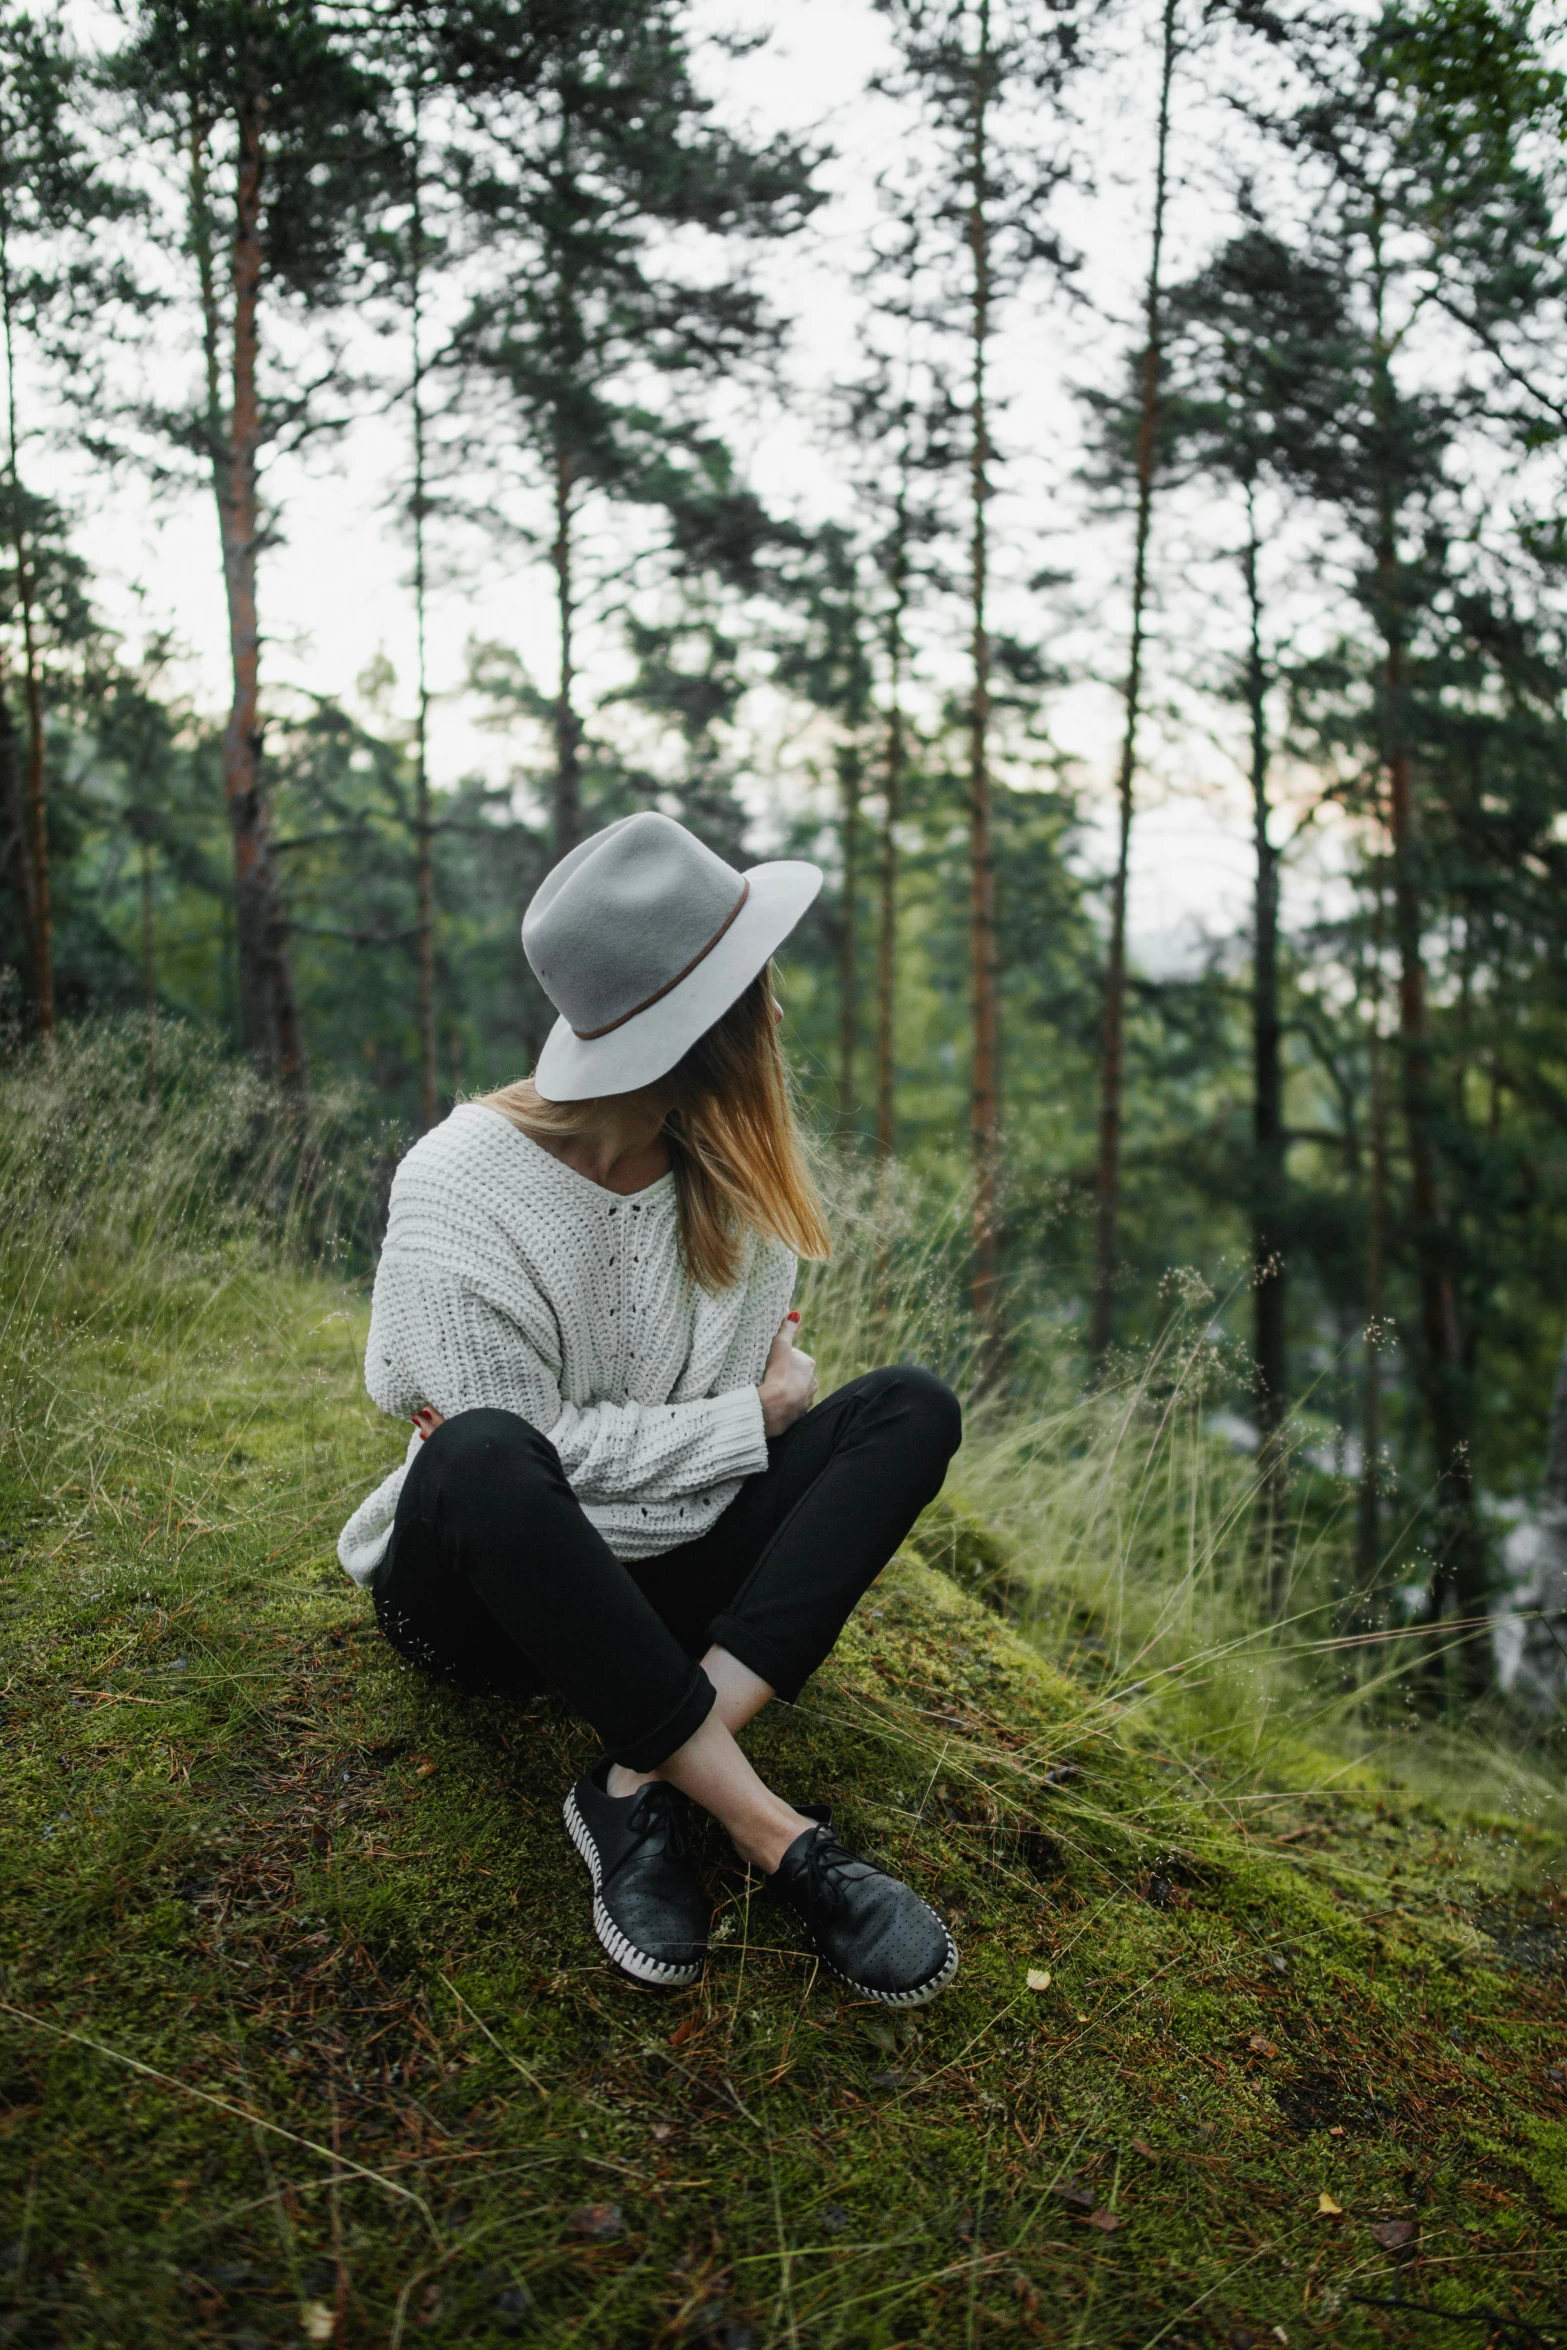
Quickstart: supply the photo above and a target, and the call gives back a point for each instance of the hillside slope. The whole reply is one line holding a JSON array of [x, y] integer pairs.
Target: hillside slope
[[306, 2037]]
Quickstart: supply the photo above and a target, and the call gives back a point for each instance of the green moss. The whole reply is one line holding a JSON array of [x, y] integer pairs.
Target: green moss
[[1546, 2162], [964, 1548], [303, 2010]]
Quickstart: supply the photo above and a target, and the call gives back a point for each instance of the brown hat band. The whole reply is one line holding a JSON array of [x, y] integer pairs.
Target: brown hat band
[[587, 1035]]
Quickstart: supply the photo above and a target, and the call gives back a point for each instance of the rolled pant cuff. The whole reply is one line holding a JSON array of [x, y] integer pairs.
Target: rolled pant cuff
[[657, 1745], [781, 1673]]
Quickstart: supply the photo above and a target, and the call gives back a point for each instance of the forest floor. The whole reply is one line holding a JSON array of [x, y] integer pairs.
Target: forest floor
[[306, 2037]]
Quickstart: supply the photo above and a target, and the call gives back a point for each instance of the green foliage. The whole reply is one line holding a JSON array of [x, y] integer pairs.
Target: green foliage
[[198, 73], [1480, 71]]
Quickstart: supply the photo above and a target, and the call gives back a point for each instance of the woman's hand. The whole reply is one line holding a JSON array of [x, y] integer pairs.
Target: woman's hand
[[788, 1387], [427, 1419]]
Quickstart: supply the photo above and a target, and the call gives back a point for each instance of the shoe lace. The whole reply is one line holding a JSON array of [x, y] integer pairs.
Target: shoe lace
[[829, 1869], [658, 1819]]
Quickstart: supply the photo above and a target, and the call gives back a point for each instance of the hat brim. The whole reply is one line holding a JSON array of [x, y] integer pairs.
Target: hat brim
[[572, 1068]]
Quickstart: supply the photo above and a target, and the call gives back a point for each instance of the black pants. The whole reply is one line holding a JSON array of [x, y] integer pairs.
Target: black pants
[[495, 1579]]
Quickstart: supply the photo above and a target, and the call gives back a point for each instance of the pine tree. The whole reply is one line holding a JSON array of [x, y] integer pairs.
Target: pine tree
[[572, 198], [443, 64], [55, 199], [985, 74], [1407, 199], [906, 429], [1405, 206], [1251, 349], [828, 660], [278, 148], [136, 729], [414, 274], [1112, 1074], [46, 626], [903, 424]]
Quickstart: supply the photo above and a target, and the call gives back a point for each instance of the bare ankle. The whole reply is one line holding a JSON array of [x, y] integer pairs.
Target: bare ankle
[[621, 1782], [764, 1841]]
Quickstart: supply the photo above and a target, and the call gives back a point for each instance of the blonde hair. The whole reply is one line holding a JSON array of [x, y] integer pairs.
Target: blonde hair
[[734, 1143]]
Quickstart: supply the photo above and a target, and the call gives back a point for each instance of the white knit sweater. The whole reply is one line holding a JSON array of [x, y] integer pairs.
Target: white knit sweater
[[508, 1279]]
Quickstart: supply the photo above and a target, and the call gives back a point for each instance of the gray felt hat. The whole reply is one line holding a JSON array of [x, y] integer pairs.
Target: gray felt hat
[[642, 938]]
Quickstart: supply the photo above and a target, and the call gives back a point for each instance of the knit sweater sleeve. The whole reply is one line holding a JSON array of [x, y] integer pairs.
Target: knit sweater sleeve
[[660, 1452], [448, 1340]]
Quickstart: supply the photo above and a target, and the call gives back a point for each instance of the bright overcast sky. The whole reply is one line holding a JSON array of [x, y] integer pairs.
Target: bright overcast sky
[[334, 594]]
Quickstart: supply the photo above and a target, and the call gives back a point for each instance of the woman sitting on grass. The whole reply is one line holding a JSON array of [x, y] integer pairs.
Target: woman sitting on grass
[[621, 1484]]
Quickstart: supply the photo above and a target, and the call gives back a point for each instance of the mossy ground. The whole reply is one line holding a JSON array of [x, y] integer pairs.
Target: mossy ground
[[307, 2037]]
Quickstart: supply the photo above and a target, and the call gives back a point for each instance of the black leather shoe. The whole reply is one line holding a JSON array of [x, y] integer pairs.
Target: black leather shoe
[[872, 1930], [649, 1909]]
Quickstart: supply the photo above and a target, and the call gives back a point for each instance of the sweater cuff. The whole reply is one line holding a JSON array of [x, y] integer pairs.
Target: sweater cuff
[[739, 1438]]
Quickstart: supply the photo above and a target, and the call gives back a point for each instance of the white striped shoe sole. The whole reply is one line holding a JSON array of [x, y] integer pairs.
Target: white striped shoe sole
[[625, 1954], [922, 1994]]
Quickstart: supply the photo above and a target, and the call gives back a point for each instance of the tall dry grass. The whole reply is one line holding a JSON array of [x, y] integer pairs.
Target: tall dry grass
[[1115, 1526], [1120, 1528], [142, 1211]]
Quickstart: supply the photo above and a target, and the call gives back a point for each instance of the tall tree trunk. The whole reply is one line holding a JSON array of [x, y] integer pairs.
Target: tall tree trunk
[[1112, 1066], [895, 761], [37, 798], [149, 960], [887, 947], [1553, 1485], [568, 730], [850, 781], [985, 1096], [892, 809], [228, 1001], [1539, 1594], [424, 858], [268, 1015], [1368, 1533], [1269, 1202], [1459, 1579], [13, 794], [36, 882]]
